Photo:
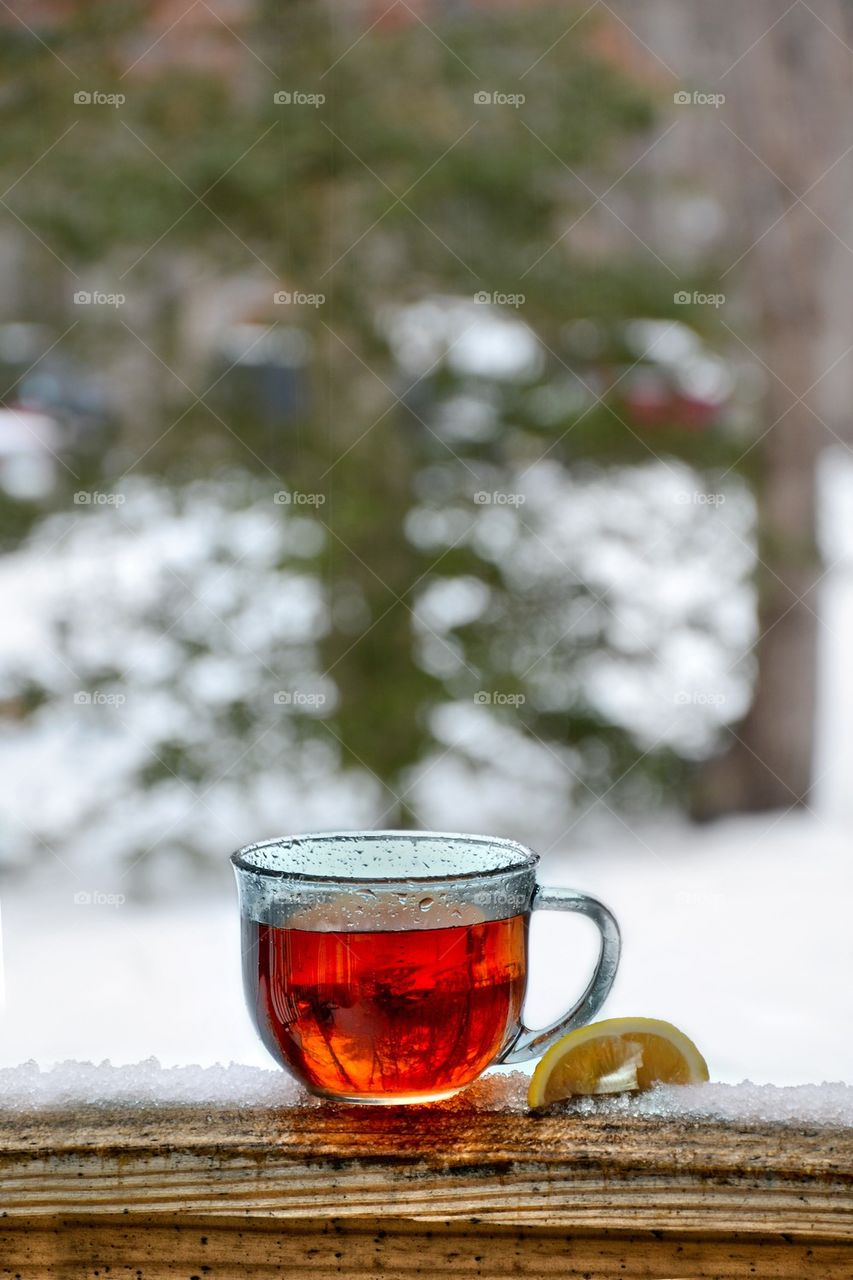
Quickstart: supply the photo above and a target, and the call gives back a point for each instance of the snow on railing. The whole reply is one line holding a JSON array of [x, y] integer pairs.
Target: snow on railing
[[235, 1172]]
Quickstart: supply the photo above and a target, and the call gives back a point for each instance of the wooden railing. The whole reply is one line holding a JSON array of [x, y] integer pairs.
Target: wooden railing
[[151, 1193]]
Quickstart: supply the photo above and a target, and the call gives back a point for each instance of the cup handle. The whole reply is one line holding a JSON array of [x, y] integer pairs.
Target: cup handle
[[530, 1044]]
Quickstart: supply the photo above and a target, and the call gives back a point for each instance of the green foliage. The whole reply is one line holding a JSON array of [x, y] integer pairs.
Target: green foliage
[[398, 188]]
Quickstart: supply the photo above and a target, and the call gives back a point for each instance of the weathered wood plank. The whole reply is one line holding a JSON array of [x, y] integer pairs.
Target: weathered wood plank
[[164, 1248], [404, 1192]]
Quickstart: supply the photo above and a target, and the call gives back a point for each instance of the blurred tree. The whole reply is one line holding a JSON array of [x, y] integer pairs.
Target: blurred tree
[[443, 161], [775, 158]]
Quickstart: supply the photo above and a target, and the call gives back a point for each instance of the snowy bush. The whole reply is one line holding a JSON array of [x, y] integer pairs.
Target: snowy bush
[[160, 684]]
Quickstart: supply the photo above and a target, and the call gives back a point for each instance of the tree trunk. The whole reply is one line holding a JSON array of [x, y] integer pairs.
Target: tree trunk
[[775, 147], [768, 763]]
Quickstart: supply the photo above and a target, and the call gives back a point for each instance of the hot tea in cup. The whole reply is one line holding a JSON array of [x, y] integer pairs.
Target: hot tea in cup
[[391, 967]]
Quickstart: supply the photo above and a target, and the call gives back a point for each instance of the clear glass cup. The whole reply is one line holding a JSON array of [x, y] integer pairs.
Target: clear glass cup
[[391, 966]]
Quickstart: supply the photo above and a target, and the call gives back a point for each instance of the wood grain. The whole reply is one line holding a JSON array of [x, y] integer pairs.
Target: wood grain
[[74, 1248], [331, 1191]]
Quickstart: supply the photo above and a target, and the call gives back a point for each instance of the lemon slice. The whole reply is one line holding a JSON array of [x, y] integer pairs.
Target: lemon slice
[[616, 1056]]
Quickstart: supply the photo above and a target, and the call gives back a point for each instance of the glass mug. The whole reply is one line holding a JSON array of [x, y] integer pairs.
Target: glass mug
[[391, 966]]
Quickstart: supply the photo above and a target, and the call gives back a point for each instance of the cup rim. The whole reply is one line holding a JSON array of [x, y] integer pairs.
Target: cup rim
[[526, 859]]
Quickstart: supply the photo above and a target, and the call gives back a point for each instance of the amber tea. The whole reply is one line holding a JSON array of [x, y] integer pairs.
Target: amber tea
[[388, 1013]]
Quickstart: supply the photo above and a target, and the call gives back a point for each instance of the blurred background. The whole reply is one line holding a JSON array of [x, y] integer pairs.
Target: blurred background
[[432, 414]]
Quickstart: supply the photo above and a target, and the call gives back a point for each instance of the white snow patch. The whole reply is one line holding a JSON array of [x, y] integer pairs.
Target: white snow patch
[[827, 1104], [29, 1088]]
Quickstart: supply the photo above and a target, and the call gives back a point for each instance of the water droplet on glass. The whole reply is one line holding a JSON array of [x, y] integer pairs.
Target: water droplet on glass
[[425, 904]]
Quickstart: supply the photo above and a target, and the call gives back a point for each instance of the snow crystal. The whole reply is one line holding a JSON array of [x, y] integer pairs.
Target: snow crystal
[[30, 1088], [746, 1103], [497, 1091]]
